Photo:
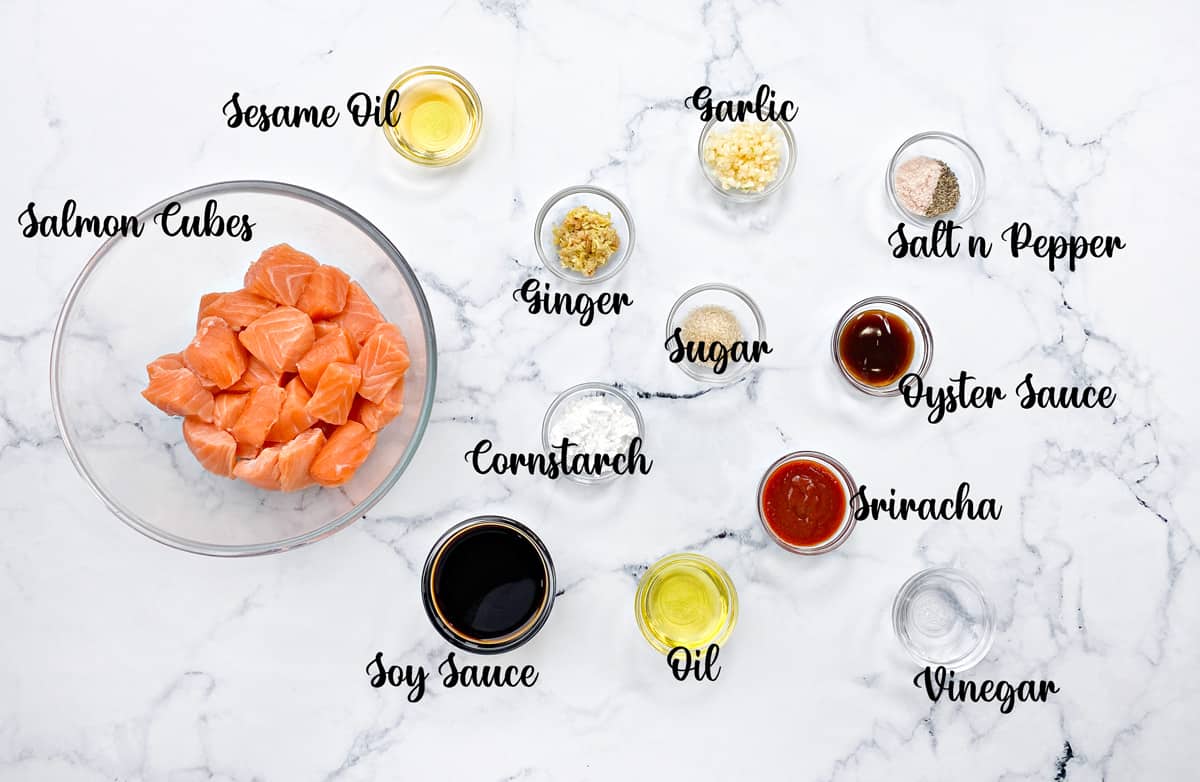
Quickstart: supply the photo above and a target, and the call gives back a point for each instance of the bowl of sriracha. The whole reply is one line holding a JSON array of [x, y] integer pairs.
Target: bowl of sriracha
[[245, 395]]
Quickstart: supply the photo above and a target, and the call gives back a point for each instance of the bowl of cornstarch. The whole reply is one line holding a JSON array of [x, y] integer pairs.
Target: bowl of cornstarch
[[593, 426]]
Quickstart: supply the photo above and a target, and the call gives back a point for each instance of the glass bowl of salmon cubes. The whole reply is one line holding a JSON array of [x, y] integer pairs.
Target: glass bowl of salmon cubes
[[235, 398]]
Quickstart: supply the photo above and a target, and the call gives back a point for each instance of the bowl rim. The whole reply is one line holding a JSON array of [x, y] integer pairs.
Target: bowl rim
[[924, 333], [746, 196], [608, 271], [955, 141], [339, 523], [597, 388], [759, 320]]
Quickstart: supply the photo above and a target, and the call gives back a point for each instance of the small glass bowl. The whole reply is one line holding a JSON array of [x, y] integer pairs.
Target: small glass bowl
[[530, 628], [598, 200], [736, 301], [922, 342], [703, 567], [786, 163], [962, 160], [848, 485], [942, 617], [590, 389], [437, 76]]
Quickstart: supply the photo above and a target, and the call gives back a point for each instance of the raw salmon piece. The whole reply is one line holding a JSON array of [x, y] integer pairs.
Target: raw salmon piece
[[215, 353], [279, 339], [179, 392], [325, 294], [347, 448], [334, 346], [376, 416], [261, 471], [334, 397], [383, 361], [206, 300], [259, 416], [247, 451], [293, 417], [165, 362], [324, 327], [237, 308], [297, 456], [360, 315], [212, 446], [227, 407], [280, 274], [257, 374]]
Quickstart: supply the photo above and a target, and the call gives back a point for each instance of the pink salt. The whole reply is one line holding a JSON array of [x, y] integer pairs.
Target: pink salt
[[916, 181]]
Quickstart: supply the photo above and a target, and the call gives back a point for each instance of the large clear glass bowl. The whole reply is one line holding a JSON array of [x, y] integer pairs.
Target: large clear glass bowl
[[137, 298]]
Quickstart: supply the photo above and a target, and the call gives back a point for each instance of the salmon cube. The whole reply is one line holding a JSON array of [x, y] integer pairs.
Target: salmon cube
[[227, 407], [324, 327], [360, 315], [205, 301], [297, 456], [165, 362], [374, 415], [237, 308], [325, 294], [260, 414], [279, 339], [293, 415], [383, 361], [261, 471], [179, 392], [212, 446], [215, 353], [280, 274], [334, 396], [257, 374], [344, 452], [336, 345]]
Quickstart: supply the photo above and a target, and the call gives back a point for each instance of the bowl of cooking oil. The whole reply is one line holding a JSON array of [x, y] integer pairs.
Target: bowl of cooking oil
[[685, 600], [437, 116]]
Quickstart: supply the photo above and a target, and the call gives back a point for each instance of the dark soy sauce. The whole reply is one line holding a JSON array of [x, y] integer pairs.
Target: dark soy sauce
[[876, 347], [489, 582]]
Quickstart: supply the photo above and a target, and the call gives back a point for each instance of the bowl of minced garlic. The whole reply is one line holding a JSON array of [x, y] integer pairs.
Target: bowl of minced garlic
[[746, 161], [584, 234]]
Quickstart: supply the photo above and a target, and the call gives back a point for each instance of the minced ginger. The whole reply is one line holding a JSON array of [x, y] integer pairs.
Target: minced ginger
[[745, 157], [585, 240]]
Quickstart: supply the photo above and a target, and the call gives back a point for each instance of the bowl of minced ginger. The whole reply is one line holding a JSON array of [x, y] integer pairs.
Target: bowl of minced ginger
[[584, 234]]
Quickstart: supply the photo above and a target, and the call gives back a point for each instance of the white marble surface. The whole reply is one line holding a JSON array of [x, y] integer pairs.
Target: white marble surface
[[121, 659]]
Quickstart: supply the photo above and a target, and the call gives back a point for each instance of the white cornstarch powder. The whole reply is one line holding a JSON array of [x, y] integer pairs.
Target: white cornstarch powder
[[600, 423]]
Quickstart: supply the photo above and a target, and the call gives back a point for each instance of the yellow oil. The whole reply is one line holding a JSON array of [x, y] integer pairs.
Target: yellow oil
[[686, 600], [439, 117]]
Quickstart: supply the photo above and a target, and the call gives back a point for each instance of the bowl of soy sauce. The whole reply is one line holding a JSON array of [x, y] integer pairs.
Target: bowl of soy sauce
[[488, 584]]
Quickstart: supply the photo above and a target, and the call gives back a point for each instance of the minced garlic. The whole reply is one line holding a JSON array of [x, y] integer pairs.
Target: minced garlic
[[745, 157], [585, 240]]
